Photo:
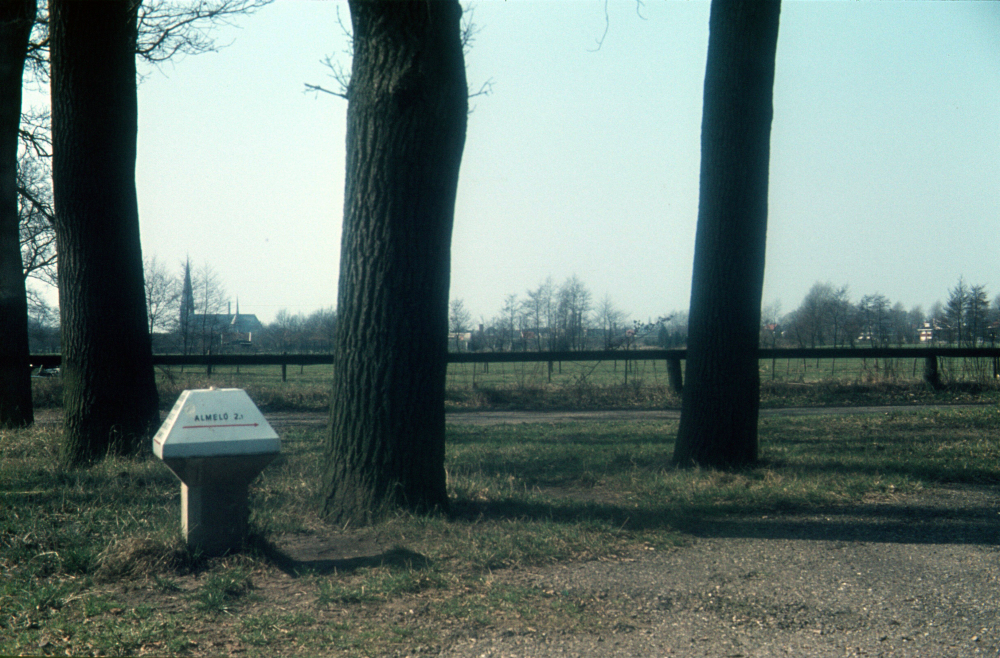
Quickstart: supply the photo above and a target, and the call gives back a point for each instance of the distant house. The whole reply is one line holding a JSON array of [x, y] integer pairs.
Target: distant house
[[930, 331]]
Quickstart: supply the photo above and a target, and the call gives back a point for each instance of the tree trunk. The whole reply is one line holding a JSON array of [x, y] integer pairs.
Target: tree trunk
[[110, 397], [16, 19], [722, 393], [406, 124]]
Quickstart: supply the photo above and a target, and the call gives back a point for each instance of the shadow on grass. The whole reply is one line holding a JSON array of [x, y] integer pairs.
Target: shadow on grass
[[918, 523], [397, 557]]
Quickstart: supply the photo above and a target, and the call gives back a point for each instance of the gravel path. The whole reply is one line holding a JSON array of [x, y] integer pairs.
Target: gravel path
[[914, 577]]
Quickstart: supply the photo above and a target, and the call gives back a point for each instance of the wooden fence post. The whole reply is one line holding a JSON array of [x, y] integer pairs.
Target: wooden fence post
[[208, 363], [931, 374], [284, 369], [674, 377]]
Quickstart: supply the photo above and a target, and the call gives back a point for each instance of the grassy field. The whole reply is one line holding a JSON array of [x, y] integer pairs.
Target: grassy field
[[601, 385], [92, 563]]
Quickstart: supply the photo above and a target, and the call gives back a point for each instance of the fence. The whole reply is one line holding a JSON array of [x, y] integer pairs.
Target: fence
[[931, 357]]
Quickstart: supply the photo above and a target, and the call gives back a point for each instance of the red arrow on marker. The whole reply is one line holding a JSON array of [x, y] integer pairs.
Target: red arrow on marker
[[203, 427]]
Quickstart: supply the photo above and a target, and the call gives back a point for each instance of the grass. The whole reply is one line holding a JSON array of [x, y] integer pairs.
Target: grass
[[598, 385], [91, 561]]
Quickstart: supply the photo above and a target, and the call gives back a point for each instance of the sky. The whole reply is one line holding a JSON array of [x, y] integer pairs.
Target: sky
[[584, 159]]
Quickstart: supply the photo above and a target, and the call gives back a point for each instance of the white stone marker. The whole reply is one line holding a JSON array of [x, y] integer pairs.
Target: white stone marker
[[216, 441]]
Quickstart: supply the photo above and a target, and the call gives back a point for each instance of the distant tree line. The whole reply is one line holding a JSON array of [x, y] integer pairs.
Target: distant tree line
[[560, 317], [202, 323], [828, 317]]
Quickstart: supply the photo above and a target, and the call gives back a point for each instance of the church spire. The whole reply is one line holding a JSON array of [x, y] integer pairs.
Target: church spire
[[187, 296]]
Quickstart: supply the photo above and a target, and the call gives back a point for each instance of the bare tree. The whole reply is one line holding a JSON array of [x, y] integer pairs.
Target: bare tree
[[955, 311], [36, 217], [611, 320], [210, 301], [509, 314], [320, 327], [875, 319], [574, 302], [163, 296], [459, 320], [977, 307], [538, 310]]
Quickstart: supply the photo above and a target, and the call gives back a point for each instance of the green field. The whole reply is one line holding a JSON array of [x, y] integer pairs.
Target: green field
[[601, 385], [92, 563]]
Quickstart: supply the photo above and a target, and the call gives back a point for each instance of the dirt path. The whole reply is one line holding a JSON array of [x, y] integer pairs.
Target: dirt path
[[912, 577]]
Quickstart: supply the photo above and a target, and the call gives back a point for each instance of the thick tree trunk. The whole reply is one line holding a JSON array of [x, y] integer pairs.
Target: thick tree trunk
[[722, 389], [406, 123], [110, 394], [16, 18]]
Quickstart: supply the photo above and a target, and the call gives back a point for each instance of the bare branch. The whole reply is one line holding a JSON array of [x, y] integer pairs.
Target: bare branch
[[168, 28], [341, 77], [317, 89], [639, 5], [469, 28], [607, 26], [35, 132], [37, 235]]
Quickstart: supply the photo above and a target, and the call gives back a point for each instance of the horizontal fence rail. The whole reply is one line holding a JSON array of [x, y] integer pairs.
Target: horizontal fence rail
[[673, 358]]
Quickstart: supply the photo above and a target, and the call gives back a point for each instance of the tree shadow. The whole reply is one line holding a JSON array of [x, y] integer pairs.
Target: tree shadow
[[977, 523], [297, 563]]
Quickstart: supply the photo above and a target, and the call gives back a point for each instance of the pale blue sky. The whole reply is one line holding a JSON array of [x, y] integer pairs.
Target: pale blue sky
[[885, 161]]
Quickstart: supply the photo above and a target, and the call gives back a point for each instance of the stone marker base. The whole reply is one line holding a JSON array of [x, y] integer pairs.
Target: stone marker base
[[214, 517]]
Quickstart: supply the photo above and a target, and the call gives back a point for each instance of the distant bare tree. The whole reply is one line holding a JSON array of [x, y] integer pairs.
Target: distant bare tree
[[574, 302], [163, 296], [610, 320], [509, 314], [876, 319], [538, 310], [35, 214], [954, 312], [210, 301], [977, 307], [319, 327], [459, 320]]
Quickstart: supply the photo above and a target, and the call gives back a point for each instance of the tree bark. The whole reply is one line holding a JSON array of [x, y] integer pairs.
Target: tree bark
[[721, 397], [110, 396], [16, 19], [406, 121]]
